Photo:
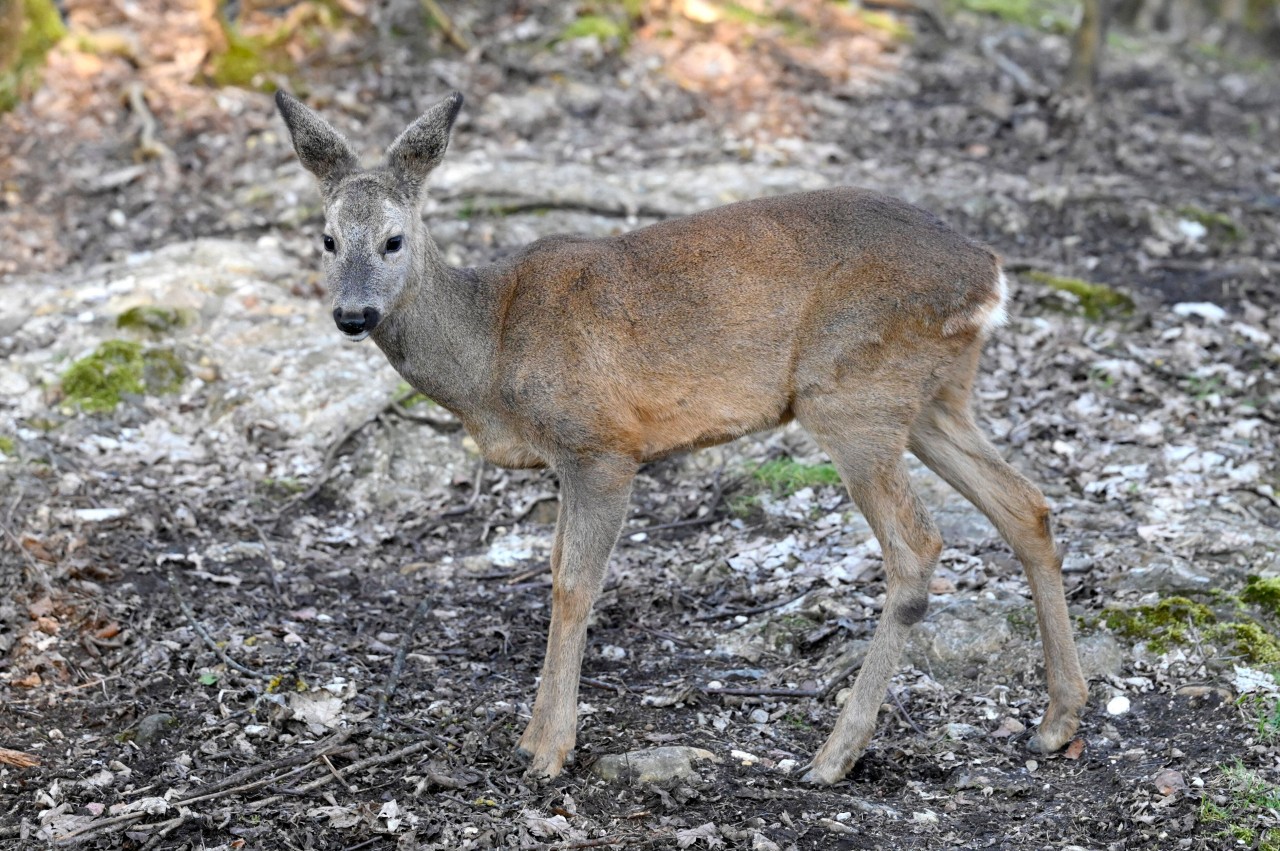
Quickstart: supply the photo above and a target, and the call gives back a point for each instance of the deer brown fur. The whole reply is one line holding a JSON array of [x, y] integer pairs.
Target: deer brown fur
[[859, 315]]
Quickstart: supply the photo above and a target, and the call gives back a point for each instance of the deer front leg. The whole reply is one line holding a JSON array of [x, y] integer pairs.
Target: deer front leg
[[593, 505]]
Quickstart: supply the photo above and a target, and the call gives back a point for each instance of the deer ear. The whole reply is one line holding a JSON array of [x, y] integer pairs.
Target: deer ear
[[421, 147], [321, 149]]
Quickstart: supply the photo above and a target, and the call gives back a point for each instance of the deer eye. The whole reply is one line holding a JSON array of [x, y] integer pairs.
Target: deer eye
[[394, 244], [329, 244]]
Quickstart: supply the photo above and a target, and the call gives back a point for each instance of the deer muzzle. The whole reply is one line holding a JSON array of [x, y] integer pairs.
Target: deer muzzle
[[356, 324]]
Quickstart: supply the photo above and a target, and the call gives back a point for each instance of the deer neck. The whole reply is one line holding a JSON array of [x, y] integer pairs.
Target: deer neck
[[440, 337]]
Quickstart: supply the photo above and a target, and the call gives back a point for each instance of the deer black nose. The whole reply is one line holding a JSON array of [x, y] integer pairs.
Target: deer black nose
[[350, 322]]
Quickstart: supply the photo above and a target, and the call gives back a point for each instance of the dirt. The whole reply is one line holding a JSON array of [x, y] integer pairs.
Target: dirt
[[308, 595]]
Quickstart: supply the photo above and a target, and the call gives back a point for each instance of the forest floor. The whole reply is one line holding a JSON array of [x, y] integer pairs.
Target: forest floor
[[269, 599]]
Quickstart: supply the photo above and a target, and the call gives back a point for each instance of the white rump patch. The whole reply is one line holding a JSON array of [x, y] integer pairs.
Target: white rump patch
[[989, 316]]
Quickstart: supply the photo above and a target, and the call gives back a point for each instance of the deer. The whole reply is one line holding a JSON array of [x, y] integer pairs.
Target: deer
[[858, 315]]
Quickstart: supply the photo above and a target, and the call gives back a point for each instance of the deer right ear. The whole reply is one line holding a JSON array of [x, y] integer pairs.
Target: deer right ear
[[321, 149], [421, 147]]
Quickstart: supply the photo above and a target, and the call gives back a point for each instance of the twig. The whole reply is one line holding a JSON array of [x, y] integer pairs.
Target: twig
[[447, 26], [991, 49], [440, 426], [364, 844], [381, 759], [897, 701], [18, 758], [766, 691], [336, 775], [717, 496], [176, 590], [150, 146], [583, 843], [397, 665], [528, 574], [602, 685], [840, 677], [326, 467], [476, 484], [754, 610]]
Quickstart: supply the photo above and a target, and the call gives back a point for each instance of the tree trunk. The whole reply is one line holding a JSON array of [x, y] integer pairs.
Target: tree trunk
[[1086, 49], [11, 19]]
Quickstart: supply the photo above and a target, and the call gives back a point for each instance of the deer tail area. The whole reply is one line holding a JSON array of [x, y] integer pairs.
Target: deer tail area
[[990, 313]]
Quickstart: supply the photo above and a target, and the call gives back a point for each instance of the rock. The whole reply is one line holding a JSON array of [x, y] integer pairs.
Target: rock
[[660, 766], [152, 727], [985, 777], [1101, 655], [959, 731], [968, 634], [1166, 575]]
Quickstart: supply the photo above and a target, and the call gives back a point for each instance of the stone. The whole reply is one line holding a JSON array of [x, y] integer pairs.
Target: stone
[[662, 766], [1101, 655], [152, 727]]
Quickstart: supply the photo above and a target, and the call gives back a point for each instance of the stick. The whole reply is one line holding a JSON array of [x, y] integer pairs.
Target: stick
[[765, 691], [450, 29], [475, 494], [320, 748], [397, 665], [754, 610], [382, 759], [175, 590]]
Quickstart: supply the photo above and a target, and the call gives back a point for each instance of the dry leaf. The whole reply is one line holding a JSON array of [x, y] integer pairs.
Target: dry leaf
[[1169, 781], [1074, 749], [707, 833]]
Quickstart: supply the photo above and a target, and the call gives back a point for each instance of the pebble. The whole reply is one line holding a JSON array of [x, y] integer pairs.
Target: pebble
[[1118, 705]]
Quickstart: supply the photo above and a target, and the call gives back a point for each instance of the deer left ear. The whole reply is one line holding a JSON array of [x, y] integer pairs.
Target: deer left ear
[[320, 148], [421, 147]]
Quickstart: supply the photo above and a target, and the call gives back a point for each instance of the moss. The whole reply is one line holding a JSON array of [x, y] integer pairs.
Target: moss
[[1246, 639], [249, 61], [887, 24], [784, 476], [158, 320], [602, 27], [7, 446], [256, 59], [1170, 623], [1163, 625], [42, 28], [1220, 226], [1263, 592], [1097, 301], [118, 368], [1037, 14]]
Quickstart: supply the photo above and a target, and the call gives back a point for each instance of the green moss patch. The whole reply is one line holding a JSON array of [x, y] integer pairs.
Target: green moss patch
[[1036, 14], [158, 320], [1263, 592], [1097, 301], [22, 58], [1175, 622], [602, 27], [7, 446], [259, 52], [118, 368], [1220, 226]]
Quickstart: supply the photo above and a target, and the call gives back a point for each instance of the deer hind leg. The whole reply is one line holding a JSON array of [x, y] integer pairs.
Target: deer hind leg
[[593, 506], [871, 466], [947, 440]]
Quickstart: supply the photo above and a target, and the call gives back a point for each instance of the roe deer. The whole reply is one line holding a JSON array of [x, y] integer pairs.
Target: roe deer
[[859, 315]]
